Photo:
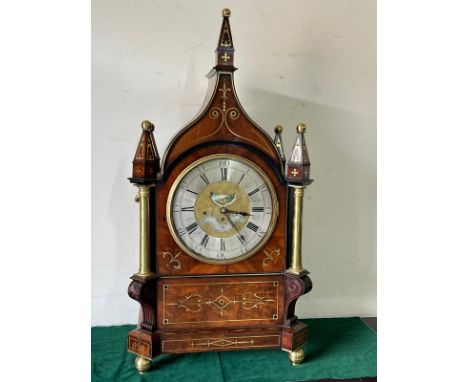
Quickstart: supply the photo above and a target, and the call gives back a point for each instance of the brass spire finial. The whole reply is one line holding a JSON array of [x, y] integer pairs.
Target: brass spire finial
[[225, 49]]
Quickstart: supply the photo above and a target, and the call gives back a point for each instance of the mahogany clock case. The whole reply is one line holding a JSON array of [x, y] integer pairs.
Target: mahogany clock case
[[171, 260], [189, 305]]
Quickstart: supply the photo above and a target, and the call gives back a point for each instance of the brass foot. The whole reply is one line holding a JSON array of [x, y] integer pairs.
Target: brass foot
[[296, 356], [142, 364]]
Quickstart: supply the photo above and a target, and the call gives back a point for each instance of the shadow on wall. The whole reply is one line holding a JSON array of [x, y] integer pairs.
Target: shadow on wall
[[339, 237]]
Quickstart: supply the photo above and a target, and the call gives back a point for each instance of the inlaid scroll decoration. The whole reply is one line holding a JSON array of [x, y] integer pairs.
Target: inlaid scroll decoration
[[224, 113], [270, 257], [174, 262], [196, 303]]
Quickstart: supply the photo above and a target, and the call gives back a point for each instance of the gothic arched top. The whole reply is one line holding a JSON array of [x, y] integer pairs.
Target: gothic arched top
[[222, 117]]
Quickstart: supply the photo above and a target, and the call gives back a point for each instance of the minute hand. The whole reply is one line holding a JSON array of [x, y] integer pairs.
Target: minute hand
[[227, 211]]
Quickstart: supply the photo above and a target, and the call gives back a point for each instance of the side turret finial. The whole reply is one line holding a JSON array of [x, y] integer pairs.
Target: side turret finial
[[146, 160], [279, 143], [298, 171]]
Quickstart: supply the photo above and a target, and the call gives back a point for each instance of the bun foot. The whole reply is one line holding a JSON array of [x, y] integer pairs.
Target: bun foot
[[296, 356], [142, 364]]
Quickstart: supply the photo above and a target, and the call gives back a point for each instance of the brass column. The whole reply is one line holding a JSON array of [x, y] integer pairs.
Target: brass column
[[145, 260], [296, 239]]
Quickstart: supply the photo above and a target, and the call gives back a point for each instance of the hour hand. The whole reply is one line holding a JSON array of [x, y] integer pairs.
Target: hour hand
[[228, 211], [232, 223]]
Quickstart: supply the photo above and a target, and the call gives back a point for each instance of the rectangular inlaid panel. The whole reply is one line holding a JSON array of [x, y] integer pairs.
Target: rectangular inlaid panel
[[218, 340], [220, 301]]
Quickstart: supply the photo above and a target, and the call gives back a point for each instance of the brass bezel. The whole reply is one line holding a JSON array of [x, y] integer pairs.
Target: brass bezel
[[260, 244]]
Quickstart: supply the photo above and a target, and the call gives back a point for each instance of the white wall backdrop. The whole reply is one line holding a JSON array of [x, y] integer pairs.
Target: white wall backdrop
[[311, 61]]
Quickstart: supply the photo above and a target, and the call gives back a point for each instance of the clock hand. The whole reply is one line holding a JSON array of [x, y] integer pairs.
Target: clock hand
[[227, 211], [229, 220], [232, 223]]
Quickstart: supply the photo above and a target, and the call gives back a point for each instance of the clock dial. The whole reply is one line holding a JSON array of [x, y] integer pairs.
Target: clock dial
[[222, 209]]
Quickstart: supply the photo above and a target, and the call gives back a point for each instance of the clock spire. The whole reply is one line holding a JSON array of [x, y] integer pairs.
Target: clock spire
[[146, 160], [225, 49], [298, 164]]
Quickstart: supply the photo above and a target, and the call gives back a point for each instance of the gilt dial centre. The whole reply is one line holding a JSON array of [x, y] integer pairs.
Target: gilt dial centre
[[222, 209]]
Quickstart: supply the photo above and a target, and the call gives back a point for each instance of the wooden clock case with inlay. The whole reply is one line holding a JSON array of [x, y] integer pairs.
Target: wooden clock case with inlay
[[188, 305]]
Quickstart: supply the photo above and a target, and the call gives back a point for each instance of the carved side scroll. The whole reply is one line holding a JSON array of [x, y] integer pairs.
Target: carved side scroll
[[144, 291], [295, 287]]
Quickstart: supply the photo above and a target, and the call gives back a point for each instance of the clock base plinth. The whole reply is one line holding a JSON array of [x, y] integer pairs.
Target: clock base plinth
[[147, 345]]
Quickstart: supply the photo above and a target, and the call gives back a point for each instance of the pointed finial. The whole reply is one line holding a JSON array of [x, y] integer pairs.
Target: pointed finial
[[146, 160], [298, 170], [279, 142], [225, 49]]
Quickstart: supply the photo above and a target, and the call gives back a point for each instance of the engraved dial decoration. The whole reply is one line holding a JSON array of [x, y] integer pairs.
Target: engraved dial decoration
[[222, 209]]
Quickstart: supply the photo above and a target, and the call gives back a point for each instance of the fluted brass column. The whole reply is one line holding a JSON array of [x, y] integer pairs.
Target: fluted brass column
[[296, 242], [145, 260]]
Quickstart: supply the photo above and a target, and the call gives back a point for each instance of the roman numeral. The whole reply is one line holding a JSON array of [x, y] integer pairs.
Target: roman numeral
[[205, 179], [187, 209], [223, 173], [252, 226], [205, 240], [223, 246], [261, 188], [242, 239], [192, 227], [258, 209], [254, 191], [240, 180], [193, 192]]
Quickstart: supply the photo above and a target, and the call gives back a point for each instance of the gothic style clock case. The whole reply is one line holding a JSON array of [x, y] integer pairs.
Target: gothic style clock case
[[220, 231]]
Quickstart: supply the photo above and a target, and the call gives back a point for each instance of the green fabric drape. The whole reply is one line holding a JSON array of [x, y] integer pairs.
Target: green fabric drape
[[338, 348]]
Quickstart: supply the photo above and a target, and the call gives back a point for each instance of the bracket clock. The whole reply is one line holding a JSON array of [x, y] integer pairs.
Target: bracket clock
[[220, 231]]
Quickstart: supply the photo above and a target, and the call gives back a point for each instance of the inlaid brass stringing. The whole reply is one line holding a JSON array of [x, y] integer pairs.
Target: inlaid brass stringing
[[226, 342], [249, 300], [195, 302]]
